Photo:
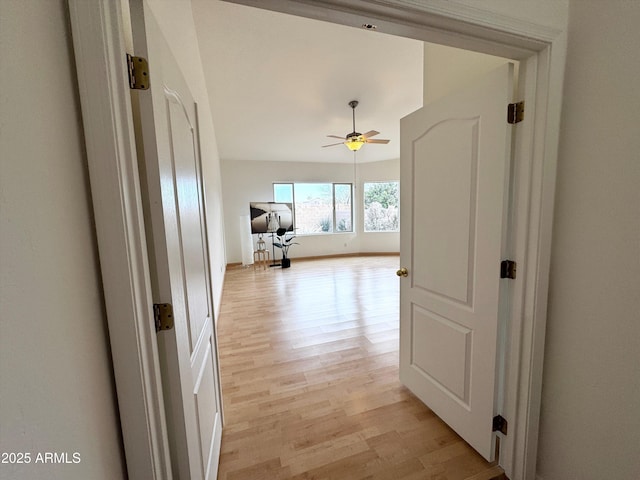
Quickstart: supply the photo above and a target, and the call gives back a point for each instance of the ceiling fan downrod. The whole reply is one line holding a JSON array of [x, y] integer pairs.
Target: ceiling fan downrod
[[353, 104]]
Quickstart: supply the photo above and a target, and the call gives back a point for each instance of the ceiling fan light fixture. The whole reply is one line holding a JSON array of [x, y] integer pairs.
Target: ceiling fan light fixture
[[354, 144]]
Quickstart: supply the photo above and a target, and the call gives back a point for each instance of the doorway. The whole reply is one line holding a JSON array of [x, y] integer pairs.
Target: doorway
[[110, 150], [532, 182], [263, 23]]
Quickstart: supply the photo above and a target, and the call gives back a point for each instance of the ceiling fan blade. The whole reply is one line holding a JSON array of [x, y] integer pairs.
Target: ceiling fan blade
[[335, 136], [377, 141], [370, 133], [332, 144]]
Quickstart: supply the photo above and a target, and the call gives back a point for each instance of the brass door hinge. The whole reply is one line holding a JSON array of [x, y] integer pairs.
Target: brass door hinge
[[138, 72], [163, 316], [515, 112]]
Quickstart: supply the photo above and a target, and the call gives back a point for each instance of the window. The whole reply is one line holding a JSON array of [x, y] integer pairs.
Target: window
[[318, 207], [381, 202]]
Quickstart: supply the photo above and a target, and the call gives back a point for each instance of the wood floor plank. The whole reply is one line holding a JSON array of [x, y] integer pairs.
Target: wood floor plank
[[309, 372]]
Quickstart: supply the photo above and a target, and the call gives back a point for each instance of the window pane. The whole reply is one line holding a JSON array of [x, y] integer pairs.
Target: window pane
[[342, 198], [313, 207], [381, 202], [283, 192], [318, 207]]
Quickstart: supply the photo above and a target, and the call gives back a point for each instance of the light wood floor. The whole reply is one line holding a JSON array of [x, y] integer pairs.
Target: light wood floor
[[309, 364]]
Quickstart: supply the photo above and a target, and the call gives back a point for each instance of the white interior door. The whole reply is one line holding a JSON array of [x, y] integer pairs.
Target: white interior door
[[174, 203], [454, 190]]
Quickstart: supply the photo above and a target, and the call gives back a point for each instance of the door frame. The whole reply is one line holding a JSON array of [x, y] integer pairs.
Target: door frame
[[105, 101], [106, 111]]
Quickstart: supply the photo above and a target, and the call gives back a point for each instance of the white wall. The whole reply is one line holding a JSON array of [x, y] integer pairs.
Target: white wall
[[175, 18], [551, 13], [590, 422], [447, 69], [56, 385], [251, 181]]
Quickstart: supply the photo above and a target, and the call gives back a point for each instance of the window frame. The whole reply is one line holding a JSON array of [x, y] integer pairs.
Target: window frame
[[335, 216]]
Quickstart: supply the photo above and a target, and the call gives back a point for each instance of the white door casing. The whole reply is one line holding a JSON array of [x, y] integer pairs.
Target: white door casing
[[179, 260], [454, 168]]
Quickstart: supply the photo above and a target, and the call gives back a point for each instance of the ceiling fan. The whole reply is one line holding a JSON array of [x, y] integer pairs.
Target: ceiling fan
[[355, 140]]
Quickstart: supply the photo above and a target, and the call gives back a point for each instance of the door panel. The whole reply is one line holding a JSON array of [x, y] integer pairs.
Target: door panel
[[444, 355], [454, 161], [189, 219], [177, 237], [444, 206], [204, 395]]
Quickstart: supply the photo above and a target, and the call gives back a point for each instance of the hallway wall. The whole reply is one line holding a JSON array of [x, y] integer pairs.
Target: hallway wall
[[56, 381], [590, 420]]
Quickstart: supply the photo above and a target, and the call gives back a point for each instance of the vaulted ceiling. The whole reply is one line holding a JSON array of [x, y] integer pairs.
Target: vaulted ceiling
[[279, 84]]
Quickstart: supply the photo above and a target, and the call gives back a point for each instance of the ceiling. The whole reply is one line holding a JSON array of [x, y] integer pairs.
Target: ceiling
[[279, 84]]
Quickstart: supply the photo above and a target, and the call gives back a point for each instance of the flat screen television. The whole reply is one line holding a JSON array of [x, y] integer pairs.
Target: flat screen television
[[267, 217]]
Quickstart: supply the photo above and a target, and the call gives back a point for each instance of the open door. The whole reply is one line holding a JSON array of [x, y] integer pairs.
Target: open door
[[169, 152], [454, 163]]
